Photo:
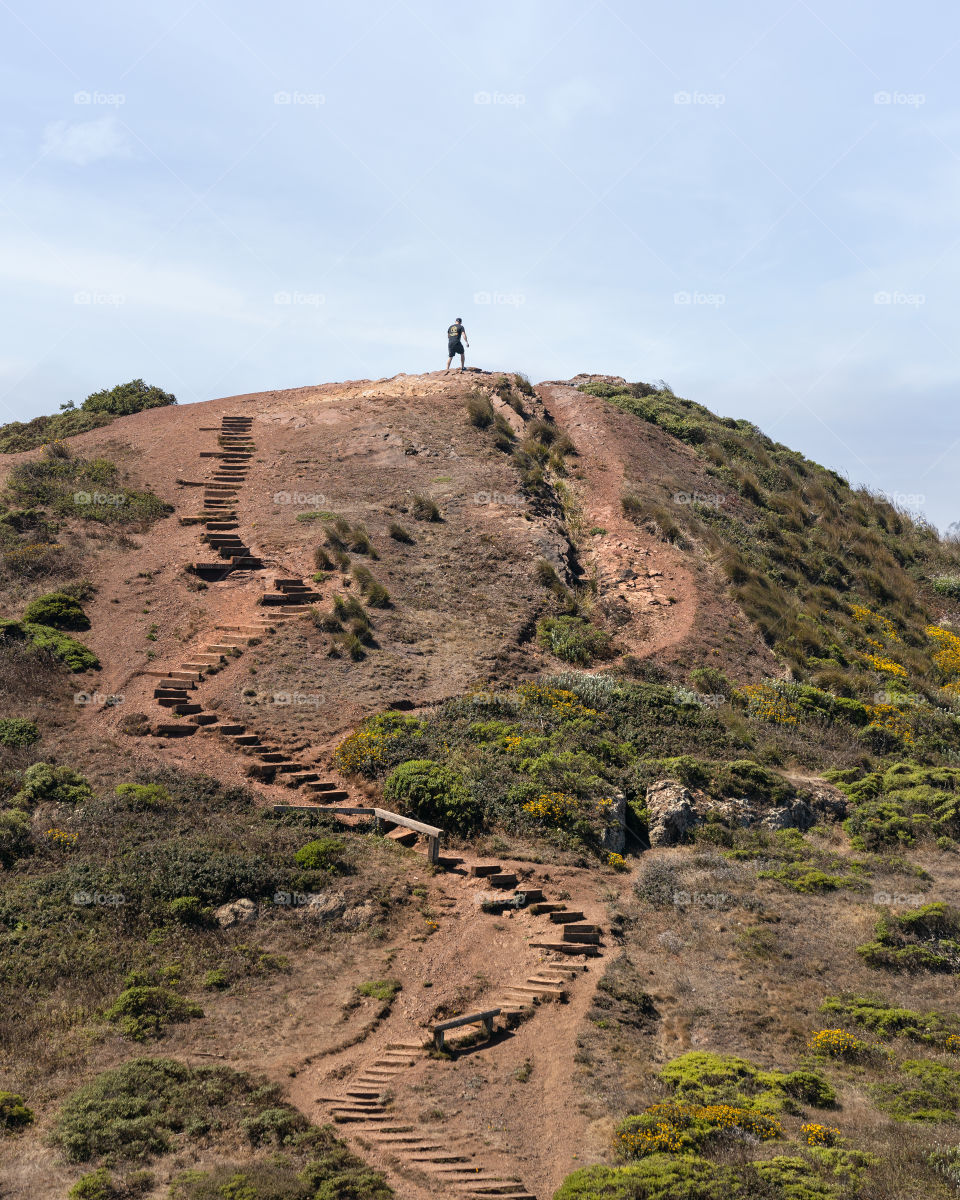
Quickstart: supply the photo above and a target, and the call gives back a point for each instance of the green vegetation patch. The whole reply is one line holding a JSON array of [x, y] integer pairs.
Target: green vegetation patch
[[923, 1091], [14, 1114], [789, 858], [574, 640], [145, 1011], [659, 1177], [434, 793], [890, 1021], [896, 806], [922, 939], [16, 732], [706, 1079], [59, 610]]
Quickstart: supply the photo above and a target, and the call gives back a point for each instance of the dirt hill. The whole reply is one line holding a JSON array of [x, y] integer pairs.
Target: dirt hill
[[638, 662]]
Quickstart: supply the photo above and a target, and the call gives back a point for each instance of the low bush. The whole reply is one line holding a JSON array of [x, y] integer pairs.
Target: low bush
[[14, 1114], [659, 1177], [889, 1020], [573, 640], [323, 854], [399, 534], [924, 1091], [480, 410], [127, 398], [922, 939], [140, 1013], [44, 783], [57, 610], [149, 1106], [17, 733], [434, 793], [15, 836]]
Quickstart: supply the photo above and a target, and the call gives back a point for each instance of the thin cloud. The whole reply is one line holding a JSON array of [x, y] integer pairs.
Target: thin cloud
[[85, 142]]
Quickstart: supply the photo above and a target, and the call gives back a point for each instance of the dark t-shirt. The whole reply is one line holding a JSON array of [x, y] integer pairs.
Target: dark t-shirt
[[455, 332]]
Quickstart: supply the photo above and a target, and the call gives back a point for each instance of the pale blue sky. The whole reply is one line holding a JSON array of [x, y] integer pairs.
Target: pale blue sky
[[757, 202]]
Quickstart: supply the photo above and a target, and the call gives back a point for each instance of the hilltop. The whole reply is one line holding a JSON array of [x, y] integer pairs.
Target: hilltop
[[683, 702]]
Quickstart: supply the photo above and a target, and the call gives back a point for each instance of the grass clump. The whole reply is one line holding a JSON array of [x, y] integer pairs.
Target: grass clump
[[901, 804], [574, 640], [144, 1012], [703, 1079], [924, 1091], [376, 594], [797, 863], [384, 990], [659, 1177], [479, 410], [422, 508], [399, 534]]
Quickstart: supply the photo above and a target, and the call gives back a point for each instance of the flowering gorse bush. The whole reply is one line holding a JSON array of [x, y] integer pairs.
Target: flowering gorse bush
[[676, 1128], [837, 1043], [820, 1135]]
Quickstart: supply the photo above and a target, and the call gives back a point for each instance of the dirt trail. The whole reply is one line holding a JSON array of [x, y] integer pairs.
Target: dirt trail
[[642, 580], [530, 1127]]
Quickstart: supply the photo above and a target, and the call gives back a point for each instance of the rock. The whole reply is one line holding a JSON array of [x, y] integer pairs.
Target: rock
[[614, 836], [235, 912], [796, 815], [353, 918], [671, 813], [323, 906]]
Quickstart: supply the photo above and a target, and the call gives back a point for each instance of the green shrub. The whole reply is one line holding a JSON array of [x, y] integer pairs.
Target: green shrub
[[380, 989], [142, 797], [277, 1125], [14, 1114], [43, 783], [925, 1091], [573, 640], [922, 939], [324, 854], [58, 610], [74, 655], [187, 910], [658, 1177], [127, 398], [704, 1078], [15, 836], [15, 732], [148, 1106], [888, 1020], [144, 1012], [434, 793], [215, 980], [97, 1185], [27, 435]]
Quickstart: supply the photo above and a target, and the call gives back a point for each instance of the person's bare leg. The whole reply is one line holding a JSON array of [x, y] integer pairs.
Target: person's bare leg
[[449, 361], [463, 362]]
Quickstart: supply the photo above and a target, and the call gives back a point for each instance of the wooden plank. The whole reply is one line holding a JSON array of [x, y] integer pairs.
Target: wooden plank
[[408, 823], [469, 1019]]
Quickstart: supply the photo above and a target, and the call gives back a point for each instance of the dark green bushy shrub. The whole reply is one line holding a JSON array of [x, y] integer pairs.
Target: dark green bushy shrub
[[434, 793], [127, 398], [324, 854], [15, 732], [573, 640], [144, 1012], [57, 610], [43, 783]]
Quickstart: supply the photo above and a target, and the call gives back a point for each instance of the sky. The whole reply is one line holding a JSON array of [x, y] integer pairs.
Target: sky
[[758, 202]]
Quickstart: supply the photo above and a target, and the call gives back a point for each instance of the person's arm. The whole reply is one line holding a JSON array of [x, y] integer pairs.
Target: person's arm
[[466, 340]]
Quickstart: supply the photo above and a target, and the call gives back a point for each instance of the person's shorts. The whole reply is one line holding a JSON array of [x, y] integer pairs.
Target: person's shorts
[[454, 348]]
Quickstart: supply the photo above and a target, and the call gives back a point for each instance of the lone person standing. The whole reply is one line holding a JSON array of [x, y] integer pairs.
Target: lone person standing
[[456, 336]]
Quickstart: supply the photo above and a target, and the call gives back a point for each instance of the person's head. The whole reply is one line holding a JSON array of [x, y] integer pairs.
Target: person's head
[[459, 319]]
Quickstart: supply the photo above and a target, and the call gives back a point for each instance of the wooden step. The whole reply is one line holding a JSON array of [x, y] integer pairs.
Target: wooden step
[[504, 881], [540, 908], [565, 917], [184, 730], [568, 948], [204, 718], [481, 870], [587, 939], [232, 730]]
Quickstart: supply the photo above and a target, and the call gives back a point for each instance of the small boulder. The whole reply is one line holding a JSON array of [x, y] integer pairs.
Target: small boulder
[[670, 812], [235, 912]]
